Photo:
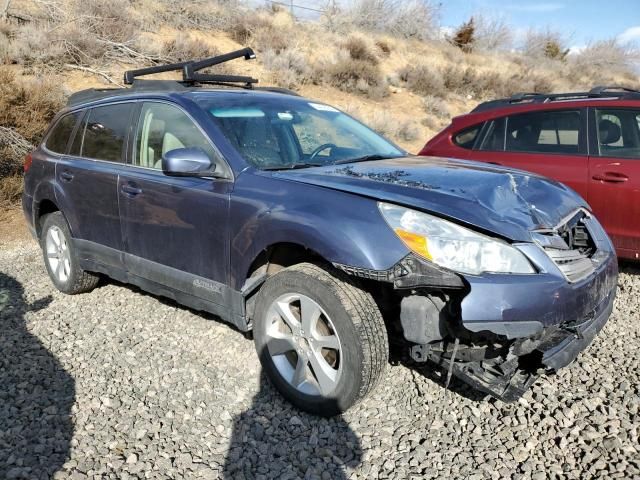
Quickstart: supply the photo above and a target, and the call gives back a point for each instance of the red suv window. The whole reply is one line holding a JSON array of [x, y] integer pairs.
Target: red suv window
[[618, 133], [544, 132]]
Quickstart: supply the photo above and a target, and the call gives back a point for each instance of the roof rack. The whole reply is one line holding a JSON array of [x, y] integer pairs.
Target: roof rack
[[191, 77], [190, 70], [595, 92]]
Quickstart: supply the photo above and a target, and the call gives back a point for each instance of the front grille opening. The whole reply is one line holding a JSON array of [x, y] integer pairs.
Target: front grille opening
[[577, 237], [574, 261]]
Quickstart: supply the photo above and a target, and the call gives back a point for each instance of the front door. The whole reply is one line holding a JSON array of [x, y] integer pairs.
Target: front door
[[614, 172], [174, 228]]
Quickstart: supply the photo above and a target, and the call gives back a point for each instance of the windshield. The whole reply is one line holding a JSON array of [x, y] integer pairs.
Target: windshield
[[274, 133]]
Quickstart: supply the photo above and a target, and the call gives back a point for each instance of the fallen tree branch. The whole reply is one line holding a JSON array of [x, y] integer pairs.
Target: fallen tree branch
[[14, 142], [95, 72], [120, 51]]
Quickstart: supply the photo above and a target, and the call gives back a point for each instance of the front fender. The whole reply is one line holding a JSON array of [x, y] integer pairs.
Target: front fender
[[340, 227]]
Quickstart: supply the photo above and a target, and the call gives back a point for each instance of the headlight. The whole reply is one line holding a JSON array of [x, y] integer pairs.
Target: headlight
[[452, 246]]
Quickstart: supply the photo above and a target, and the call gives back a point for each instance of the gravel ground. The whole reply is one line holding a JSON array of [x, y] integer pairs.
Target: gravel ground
[[121, 384]]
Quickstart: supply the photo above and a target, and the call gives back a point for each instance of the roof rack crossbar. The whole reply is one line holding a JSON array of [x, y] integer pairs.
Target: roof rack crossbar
[[131, 75], [221, 79], [523, 95], [190, 67]]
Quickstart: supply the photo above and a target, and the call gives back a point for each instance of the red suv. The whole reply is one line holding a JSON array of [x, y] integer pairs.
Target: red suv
[[589, 141]]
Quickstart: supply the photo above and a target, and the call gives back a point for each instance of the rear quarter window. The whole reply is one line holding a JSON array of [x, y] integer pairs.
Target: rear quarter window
[[58, 139], [467, 137]]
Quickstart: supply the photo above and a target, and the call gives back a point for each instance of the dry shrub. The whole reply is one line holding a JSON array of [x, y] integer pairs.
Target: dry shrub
[[491, 83], [263, 30], [359, 49], [545, 44], [607, 56], [402, 18], [10, 190], [114, 20], [354, 76], [81, 32], [28, 105], [423, 80], [26, 108], [184, 48], [464, 37], [32, 45], [203, 14], [384, 46], [436, 106], [289, 67]]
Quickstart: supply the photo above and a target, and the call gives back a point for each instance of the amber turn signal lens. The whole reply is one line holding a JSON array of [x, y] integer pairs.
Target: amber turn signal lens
[[415, 243]]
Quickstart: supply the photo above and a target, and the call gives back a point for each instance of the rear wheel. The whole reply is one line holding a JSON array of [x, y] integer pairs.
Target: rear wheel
[[60, 257], [320, 338]]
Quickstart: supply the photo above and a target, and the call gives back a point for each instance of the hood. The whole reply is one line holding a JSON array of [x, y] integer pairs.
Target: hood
[[507, 202]]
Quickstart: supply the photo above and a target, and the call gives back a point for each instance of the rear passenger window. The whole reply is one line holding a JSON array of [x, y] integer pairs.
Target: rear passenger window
[[58, 139], [544, 132], [467, 138], [105, 131], [618, 133], [494, 136]]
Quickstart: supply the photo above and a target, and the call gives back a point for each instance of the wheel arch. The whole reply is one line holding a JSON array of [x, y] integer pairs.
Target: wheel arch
[[43, 207]]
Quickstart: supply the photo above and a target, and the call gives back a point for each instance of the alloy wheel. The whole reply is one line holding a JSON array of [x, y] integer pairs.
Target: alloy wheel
[[58, 254], [304, 344]]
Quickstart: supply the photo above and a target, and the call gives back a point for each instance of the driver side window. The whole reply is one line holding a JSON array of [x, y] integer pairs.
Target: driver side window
[[162, 128]]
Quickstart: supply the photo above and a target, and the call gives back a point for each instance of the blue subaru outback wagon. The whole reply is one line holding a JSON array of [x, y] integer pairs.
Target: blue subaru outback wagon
[[288, 218]]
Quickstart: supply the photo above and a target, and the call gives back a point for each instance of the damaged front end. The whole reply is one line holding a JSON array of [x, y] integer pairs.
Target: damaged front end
[[499, 332]]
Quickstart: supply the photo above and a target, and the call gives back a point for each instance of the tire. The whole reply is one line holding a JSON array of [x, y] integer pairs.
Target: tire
[[60, 257], [347, 321]]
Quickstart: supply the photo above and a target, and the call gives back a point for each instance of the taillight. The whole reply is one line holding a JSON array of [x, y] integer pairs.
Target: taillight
[[28, 160]]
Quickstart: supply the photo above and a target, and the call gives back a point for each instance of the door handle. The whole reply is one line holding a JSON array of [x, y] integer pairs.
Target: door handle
[[130, 190], [66, 176], [611, 177]]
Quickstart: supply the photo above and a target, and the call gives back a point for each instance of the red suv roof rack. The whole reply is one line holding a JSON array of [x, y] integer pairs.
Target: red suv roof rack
[[524, 98]]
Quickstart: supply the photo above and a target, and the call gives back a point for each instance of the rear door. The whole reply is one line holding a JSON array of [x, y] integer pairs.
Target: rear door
[[175, 229], [88, 181], [614, 175], [552, 143]]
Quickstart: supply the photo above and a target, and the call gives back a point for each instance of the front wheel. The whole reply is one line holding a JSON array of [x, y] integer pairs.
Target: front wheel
[[320, 338]]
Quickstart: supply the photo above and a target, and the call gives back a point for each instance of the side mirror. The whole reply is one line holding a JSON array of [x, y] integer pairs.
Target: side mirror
[[187, 162]]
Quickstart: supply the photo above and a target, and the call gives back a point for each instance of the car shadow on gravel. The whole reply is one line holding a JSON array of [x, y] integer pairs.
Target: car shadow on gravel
[[272, 439], [36, 393]]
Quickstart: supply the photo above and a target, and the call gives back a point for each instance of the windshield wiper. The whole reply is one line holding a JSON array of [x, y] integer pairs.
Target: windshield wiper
[[364, 158], [293, 166]]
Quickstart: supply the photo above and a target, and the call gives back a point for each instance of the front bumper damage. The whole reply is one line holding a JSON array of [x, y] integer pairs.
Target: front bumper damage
[[499, 332], [509, 334]]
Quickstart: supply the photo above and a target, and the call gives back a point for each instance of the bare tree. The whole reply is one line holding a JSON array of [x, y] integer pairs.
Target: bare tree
[[492, 33], [405, 18]]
